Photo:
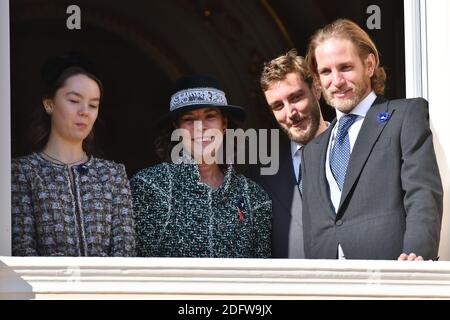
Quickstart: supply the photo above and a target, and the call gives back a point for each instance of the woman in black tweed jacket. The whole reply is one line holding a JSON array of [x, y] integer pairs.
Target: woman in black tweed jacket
[[192, 206], [66, 202]]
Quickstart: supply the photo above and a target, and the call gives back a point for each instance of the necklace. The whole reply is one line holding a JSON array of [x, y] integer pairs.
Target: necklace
[[60, 162]]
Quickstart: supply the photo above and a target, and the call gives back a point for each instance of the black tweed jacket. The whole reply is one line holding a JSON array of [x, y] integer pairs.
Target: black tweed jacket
[[51, 216]]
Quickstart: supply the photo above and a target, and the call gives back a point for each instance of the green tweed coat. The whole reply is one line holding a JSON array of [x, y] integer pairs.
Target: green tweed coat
[[176, 215]]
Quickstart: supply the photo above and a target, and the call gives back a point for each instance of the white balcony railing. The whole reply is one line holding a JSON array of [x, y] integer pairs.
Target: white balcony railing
[[186, 278]]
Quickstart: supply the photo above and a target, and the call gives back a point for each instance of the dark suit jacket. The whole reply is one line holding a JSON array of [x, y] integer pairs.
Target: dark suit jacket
[[286, 203], [392, 195]]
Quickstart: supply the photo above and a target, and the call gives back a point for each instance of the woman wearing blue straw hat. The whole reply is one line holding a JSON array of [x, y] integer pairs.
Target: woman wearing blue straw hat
[[193, 206]]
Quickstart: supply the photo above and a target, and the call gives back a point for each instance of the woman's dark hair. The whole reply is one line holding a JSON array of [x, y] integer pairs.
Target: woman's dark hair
[[55, 73]]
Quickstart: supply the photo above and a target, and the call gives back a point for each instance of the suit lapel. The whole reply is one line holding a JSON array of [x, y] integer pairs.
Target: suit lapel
[[368, 135], [284, 182], [322, 143]]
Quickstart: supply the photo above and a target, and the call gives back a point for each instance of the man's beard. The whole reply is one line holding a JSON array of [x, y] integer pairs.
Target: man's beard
[[347, 105], [311, 130]]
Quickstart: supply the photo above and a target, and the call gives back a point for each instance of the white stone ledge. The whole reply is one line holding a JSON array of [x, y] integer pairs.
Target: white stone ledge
[[187, 278]]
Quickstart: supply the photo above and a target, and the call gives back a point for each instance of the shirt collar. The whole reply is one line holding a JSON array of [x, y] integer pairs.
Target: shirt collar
[[294, 148], [362, 108]]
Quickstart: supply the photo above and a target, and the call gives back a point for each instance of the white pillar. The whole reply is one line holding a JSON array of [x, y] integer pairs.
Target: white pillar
[[5, 133], [427, 52]]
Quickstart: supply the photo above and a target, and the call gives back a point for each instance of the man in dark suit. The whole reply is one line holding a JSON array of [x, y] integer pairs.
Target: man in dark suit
[[293, 100], [372, 188]]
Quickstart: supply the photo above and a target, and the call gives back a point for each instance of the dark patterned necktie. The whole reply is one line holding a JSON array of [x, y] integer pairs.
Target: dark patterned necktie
[[299, 180]]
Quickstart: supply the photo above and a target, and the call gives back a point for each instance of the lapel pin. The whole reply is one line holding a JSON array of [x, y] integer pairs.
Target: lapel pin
[[382, 117], [82, 169], [240, 206]]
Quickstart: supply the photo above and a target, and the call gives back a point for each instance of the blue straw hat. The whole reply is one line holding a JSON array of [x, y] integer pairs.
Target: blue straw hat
[[201, 91]]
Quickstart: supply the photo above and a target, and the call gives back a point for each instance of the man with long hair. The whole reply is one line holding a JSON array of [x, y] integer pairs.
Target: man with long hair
[[372, 188]]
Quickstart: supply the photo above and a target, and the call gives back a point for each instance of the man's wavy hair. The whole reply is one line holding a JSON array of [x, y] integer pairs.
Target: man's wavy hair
[[278, 68], [346, 29]]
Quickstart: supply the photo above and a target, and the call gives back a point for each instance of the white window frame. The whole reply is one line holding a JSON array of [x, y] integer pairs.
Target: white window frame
[[5, 133], [415, 49]]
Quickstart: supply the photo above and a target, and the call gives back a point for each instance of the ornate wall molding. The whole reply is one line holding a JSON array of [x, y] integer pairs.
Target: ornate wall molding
[[187, 278]]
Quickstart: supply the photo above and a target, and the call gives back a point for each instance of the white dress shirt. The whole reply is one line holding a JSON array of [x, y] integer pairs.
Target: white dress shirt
[[360, 110]]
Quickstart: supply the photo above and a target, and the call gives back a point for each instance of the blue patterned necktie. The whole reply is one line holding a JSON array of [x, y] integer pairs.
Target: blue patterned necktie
[[340, 154]]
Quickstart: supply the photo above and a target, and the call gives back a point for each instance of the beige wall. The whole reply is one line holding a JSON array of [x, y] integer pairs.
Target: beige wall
[[438, 62]]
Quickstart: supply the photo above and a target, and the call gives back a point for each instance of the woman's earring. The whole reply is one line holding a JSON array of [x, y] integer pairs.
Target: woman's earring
[[47, 106]]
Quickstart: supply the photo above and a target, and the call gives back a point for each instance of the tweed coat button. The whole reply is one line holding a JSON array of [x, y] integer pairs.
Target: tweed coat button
[[338, 223]]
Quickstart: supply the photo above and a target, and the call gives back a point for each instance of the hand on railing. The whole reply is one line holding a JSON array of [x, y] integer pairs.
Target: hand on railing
[[410, 257]]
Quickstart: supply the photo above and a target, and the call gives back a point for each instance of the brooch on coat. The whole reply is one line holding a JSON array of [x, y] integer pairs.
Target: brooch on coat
[[382, 117], [240, 205], [82, 169]]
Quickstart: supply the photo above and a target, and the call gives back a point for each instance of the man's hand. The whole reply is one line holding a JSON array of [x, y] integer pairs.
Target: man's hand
[[409, 257]]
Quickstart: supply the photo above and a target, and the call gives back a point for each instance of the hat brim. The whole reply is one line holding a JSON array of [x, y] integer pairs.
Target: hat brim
[[237, 113]]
